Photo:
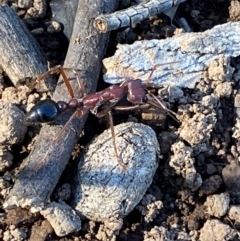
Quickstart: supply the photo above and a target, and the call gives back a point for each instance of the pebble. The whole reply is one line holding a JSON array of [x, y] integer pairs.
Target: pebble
[[107, 193], [13, 128]]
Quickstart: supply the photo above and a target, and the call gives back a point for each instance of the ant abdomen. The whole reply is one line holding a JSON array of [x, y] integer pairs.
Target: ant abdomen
[[43, 112]]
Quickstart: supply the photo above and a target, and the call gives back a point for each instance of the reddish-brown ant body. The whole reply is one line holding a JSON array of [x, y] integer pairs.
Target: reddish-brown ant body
[[133, 90]]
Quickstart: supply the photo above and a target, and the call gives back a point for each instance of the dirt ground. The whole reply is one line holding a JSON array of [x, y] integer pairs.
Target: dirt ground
[[194, 194]]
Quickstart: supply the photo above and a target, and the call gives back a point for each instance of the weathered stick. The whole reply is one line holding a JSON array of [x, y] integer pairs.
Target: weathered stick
[[64, 11], [194, 53], [21, 57], [133, 15], [38, 179]]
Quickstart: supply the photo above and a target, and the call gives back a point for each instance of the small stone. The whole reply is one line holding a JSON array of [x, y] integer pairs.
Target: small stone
[[25, 4], [37, 31], [155, 117], [182, 162], [13, 127], [63, 193], [105, 192], [198, 129], [218, 204], [62, 217], [210, 169], [40, 232], [224, 89], [32, 12], [234, 11], [6, 159], [175, 93], [194, 13], [53, 27], [210, 185], [217, 231], [234, 213], [230, 174]]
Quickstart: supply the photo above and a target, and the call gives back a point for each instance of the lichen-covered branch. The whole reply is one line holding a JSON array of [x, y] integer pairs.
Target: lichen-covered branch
[[133, 15]]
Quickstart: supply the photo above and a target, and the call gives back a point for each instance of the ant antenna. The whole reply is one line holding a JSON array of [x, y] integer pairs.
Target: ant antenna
[[154, 68], [161, 105]]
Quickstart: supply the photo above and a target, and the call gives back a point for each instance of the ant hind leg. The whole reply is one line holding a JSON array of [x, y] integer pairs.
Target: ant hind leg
[[101, 114]]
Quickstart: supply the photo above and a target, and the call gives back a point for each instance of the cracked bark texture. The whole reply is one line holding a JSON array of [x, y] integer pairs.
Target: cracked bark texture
[[134, 14], [63, 12], [42, 172], [21, 57], [200, 55]]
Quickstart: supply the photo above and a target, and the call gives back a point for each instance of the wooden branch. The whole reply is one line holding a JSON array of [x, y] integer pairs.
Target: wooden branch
[[133, 15], [198, 55], [64, 12], [21, 57], [39, 177]]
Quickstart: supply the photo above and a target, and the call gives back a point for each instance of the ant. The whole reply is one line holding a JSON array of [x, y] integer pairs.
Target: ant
[[47, 111]]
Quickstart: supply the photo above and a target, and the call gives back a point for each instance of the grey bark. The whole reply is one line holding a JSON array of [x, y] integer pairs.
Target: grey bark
[[21, 57], [134, 14], [63, 12], [197, 55], [39, 177]]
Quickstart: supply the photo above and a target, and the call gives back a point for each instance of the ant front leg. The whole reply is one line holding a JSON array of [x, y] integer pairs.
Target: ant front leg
[[54, 70]]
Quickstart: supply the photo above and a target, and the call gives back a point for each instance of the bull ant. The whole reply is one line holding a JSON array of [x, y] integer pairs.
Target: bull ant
[[134, 91]]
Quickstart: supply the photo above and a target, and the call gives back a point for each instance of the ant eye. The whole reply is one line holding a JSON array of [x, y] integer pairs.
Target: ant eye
[[145, 99]]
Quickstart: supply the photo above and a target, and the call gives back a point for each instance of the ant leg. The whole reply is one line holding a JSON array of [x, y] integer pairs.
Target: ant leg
[[54, 70], [66, 81], [78, 113], [80, 82], [109, 105], [126, 108], [154, 68], [56, 139], [41, 77], [120, 162], [101, 114]]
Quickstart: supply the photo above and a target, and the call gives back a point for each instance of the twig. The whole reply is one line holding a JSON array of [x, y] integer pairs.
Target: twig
[[133, 15]]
